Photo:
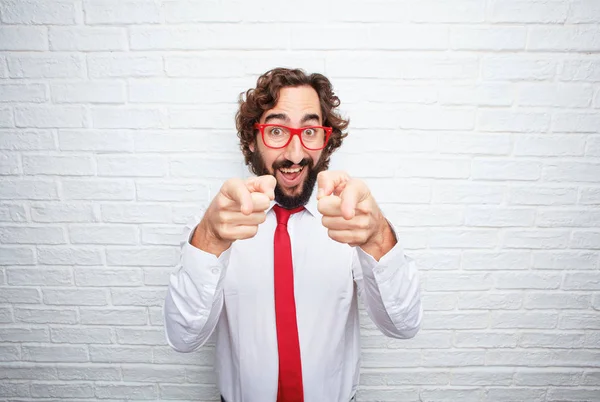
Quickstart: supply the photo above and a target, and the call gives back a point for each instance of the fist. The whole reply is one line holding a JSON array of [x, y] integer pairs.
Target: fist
[[350, 213], [235, 213]]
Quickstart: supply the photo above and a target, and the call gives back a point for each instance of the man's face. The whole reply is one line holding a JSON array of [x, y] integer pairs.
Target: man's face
[[294, 166]]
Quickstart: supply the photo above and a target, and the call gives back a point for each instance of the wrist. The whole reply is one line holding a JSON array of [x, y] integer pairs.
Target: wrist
[[206, 239]]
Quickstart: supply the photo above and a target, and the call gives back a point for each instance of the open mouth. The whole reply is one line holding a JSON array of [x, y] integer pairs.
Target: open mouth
[[292, 176]]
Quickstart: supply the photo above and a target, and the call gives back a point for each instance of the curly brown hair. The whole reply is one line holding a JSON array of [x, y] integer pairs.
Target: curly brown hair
[[265, 96]]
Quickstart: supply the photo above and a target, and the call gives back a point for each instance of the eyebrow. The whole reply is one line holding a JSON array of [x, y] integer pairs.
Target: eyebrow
[[282, 116]]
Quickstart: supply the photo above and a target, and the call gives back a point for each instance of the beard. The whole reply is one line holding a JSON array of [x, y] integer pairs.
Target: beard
[[308, 185]]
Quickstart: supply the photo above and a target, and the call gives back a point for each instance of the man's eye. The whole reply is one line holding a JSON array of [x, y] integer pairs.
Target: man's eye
[[276, 131], [309, 132]]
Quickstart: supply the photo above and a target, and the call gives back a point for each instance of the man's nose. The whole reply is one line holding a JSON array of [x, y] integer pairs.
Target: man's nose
[[294, 151]]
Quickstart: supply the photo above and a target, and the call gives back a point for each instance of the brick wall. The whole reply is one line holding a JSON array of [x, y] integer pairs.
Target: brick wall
[[476, 124]]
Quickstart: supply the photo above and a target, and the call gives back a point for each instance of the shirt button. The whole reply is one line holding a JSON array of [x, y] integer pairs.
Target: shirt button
[[215, 271]]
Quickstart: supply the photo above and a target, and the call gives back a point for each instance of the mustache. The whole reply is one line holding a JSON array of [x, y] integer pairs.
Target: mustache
[[288, 164]]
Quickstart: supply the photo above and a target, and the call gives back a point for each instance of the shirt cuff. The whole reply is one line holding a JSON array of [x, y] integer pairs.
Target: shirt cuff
[[382, 270], [205, 269]]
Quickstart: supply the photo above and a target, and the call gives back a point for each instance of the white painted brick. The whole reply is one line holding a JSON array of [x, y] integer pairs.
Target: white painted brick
[[46, 315], [12, 213], [572, 171], [527, 280], [432, 358], [89, 92], [557, 301], [40, 12], [469, 11], [103, 189], [26, 140], [433, 118], [576, 122], [112, 12], [497, 169], [591, 378], [118, 117], [19, 371], [454, 320], [458, 238], [485, 339], [210, 11], [207, 117], [95, 140], [155, 374], [12, 295], [120, 354], [442, 281], [501, 261], [515, 68], [579, 320], [403, 377], [55, 353], [23, 93], [39, 276], [536, 239], [157, 276], [140, 166], [96, 372], [499, 217], [135, 213], [523, 11], [564, 38], [108, 277], [544, 377], [489, 301], [10, 163], [436, 168], [593, 146], [11, 389], [580, 70], [187, 141], [509, 121], [382, 169], [512, 394], [137, 297], [17, 256], [126, 391], [582, 281], [484, 94], [25, 334], [6, 315], [403, 394], [23, 38], [3, 67], [35, 65], [182, 214], [58, 165], [69, 256], [87, 39], [32, 235], [551, 339], [584, 11], [166, 355], [568, 218], [354, 91], [129, 336], [380, 359], [156, 316], [6, 117], [81, 335], [553, 95], [203, 66], [41, 390], [143, 256], [467, 193], [103, 234], [50, 116], [423, 216], [523, 320], [116, 65], [121, 316], [207, 392], [479, 376], [171, 191], [63, 212], [439, 301], [75, 297], [161, 235], [486, 38], [184, 91], [542, 195], [564, 260], [549, 145], [589, 195], [570, 394], [209, 36]]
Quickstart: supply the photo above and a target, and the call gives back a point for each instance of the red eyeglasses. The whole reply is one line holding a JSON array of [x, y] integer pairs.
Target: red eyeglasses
[[277, 136]]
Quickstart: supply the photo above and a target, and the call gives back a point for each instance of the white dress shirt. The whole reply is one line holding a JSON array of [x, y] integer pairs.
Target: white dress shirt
[[233, 294]]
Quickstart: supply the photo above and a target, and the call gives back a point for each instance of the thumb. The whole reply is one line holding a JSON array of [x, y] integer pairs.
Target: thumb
[[331, 182], [262, 184]]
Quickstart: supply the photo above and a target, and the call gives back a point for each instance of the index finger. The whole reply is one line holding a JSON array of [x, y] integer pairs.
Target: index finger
[[236, 190], [331, 182], [262, 184], [355, 192]]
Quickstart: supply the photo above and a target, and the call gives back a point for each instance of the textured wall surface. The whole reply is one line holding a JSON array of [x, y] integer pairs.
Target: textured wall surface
[[476, 124]]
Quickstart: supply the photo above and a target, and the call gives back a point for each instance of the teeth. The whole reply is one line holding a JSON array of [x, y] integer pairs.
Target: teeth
[[295, 170]]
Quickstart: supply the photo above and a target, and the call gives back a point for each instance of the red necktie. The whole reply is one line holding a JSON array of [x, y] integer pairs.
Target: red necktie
[[290, 367]]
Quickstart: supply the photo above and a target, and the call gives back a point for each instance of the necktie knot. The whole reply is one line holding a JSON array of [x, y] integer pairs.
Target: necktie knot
[[283, 215]]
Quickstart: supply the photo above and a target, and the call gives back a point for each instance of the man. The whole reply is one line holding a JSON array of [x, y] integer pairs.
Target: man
[[276, 268]]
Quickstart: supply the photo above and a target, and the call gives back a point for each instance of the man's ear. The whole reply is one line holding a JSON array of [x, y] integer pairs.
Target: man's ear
[[251, 146]]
